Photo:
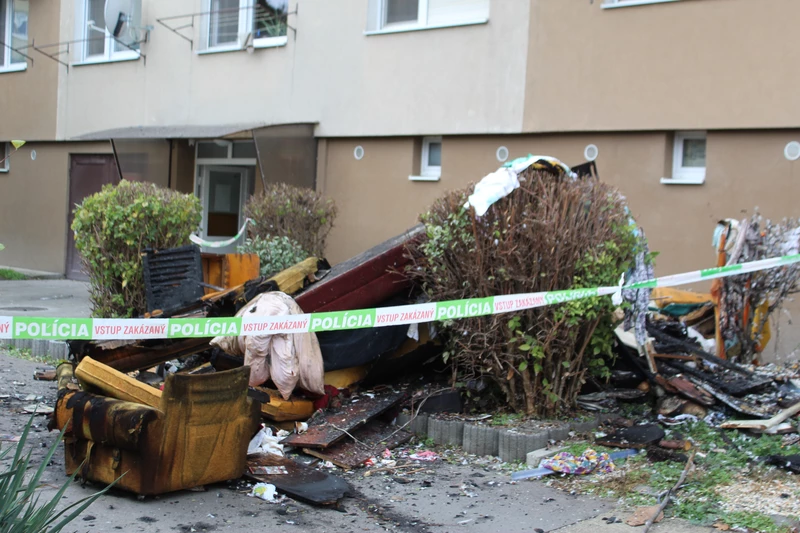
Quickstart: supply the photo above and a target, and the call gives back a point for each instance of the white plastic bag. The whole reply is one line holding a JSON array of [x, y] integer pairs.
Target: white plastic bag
[[265, 491], [491, 188], [265, 442]]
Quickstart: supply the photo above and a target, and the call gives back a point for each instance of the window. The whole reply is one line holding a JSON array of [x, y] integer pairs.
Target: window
[[688, 158], [14, 33], [5, 151], [400, 12], [98, 43], [430, 159], [403, 15], [243, 151], [628, 3], [235, 24]]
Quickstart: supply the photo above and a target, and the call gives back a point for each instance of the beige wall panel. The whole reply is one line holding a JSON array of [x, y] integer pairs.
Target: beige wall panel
[[331, 73], [33, 205], [376, 200], [702, 64], [28, 98], [374, 196]]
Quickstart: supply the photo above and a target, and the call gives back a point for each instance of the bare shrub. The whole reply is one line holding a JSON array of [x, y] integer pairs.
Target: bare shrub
[[301, 214], [550, 234]]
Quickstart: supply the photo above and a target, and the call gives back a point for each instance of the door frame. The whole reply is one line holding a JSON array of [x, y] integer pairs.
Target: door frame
[[72, 158], [202, 190], [248, 165]]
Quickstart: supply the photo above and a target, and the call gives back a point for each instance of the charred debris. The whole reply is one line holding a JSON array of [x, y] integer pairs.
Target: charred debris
[[178, 413]]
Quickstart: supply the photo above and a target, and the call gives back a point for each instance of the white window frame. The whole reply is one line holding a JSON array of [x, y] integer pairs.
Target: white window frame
[[5, 166], [201, 169], [84, 33], [8, 66], [243, 41], [428, 172], [686, 175], [611, 4], [420, 24]]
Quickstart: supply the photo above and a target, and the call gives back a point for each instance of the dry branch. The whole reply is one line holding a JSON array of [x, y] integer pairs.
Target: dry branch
[[668, 496]]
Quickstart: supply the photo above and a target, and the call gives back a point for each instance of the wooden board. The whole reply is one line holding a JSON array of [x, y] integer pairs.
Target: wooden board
[[364, 280], [274, 407], [323, 431], [299, 482], [373, 439], [115, 384], [345, 378]]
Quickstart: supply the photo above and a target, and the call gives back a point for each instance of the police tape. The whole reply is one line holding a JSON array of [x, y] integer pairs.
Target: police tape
[[23, 327]]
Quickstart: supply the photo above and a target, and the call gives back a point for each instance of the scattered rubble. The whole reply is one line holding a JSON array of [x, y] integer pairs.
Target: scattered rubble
[[297, 414]]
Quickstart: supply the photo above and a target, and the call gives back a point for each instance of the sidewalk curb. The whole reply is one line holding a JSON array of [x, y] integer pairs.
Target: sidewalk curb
[[509, 444], [40, 348]]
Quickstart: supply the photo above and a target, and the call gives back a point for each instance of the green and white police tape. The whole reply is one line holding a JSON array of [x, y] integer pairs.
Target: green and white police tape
[[172, 328]]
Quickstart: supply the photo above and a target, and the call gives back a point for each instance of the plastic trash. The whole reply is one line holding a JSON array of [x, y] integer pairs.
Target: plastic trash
[[491, 188], [264, 491], [540, 472], [427, 456], [265, 442]]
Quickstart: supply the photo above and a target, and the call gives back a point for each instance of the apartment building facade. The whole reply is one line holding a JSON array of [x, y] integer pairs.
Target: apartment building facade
[[688, 106]]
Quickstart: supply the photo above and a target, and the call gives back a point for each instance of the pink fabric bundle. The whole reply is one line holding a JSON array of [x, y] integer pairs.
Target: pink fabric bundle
[[289, 359]]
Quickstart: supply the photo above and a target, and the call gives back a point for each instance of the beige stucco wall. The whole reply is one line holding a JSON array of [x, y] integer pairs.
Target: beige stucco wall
[[693, 64], [28, 98], [745, 169], [453, 80], [33, 205]]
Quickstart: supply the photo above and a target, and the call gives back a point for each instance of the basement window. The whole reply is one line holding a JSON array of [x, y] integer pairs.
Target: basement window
[[430, 157], [688, 159]]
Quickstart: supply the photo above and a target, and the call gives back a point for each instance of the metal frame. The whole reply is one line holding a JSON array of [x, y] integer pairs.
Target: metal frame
[[55, 55], [177, 29], [18, 50]]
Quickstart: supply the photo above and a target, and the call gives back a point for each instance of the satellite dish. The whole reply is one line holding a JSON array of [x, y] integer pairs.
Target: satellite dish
[[124, 20]]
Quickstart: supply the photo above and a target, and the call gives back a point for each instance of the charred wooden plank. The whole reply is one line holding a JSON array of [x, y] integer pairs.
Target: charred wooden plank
[[737, 404], [139, 355], [735, 385], [689, 390], [299, 482], [372, 440], [633, 437], [691, 348], [323, 431]]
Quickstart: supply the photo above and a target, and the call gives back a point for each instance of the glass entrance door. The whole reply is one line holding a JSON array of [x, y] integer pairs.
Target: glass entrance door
[[223, 197]]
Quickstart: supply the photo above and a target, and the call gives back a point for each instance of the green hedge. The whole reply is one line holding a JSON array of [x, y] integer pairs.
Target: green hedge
[[112, 230]]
